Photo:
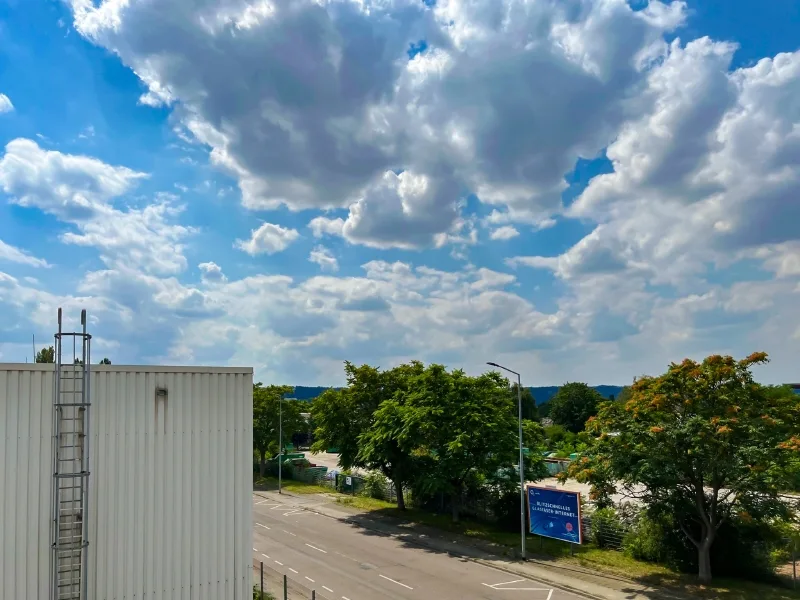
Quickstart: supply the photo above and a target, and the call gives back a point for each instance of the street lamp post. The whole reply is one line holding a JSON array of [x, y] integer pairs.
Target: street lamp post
[[521, 463], [280, 443]]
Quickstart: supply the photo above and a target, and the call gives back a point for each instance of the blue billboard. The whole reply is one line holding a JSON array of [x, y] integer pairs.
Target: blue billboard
[[555, 514]]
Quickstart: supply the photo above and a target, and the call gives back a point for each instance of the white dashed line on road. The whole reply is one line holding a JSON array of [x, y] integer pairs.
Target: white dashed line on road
[[327, 588], [345, 598], [397, 582], [289, 532], [254, 550], [293, 512], [318, 549], [309, 578], [292, 570], [260, 525], [265, 556], [277, 562]]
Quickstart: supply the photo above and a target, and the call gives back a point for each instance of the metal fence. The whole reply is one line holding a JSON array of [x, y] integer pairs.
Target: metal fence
[[270, 584]]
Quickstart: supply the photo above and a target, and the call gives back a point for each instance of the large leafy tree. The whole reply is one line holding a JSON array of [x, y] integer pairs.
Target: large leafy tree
[[463, 426], [267, 414], [529, 410], [702, 441], [46, 355], [367, 420], [573, 404]]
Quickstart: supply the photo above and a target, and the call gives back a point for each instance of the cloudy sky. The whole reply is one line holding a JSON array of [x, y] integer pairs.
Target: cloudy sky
[[579, 189]]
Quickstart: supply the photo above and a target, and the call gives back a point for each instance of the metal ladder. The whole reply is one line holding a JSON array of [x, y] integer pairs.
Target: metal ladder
[[71, 406]]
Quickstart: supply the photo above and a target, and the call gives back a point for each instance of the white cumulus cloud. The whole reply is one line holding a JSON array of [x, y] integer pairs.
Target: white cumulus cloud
[[506, 232], [5, 104], [324, 258], [268, 239]]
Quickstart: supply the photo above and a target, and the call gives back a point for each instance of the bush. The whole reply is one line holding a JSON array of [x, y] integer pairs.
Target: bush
[[607, 529], [257, 594], [747, 549], [375, 486], [646, 541]]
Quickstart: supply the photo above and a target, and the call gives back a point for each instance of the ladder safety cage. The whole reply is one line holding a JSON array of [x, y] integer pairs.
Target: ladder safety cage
[[70, 497]]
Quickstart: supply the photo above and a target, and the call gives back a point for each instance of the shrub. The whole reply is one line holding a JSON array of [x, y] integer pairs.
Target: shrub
[[375, 485], [607, 529]]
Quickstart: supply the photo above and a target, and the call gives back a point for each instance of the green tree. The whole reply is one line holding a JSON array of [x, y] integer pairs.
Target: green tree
[[367, 421], [267, 412], [529, 410], [573, 404], [702, 442], [105, 361], [465, 427], [46, 355], [624, 394]]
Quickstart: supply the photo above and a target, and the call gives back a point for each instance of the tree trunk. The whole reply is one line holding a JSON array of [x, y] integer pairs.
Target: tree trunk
[[262, 466], [704, 558], [455, 497], [401, 501]]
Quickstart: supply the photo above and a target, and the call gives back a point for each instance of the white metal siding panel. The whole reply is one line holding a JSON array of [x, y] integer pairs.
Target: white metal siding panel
[[170, 486]]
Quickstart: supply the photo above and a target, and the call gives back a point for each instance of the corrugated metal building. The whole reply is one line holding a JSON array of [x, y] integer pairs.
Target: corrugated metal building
[[170, 489]]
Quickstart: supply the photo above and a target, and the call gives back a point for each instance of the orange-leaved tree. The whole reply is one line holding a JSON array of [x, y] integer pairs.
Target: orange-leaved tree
[[703, 441]]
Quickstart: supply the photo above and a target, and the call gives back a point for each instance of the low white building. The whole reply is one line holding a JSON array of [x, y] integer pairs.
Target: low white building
[[169, 507]]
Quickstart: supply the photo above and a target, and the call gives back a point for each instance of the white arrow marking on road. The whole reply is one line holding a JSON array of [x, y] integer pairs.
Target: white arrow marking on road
[[397, 582]]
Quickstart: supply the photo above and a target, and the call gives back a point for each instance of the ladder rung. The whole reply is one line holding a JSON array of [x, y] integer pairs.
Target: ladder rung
[[69, 475]]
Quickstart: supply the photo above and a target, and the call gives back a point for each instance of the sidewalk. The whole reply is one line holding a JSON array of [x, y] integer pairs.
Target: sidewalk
[[572, 578]]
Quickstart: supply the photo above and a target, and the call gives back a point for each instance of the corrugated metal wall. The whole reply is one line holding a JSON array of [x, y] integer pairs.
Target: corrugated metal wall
[[170, 486]]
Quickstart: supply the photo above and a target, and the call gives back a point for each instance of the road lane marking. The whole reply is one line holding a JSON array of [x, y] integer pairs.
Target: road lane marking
[[309, 578], [278, 563], [277, 506], [497, 586], [289, 532], [397, 582], [292, 570], [265, 556], [345, 598], [262, 502], [254, 550], [493, 585], [315, 548], [293, 512], [327, 588], [260, 525]]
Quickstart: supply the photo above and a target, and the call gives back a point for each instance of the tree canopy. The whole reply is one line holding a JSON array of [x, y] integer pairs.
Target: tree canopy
[[702, 441], [105, 361], [46, 355], [573, 404], [267, 415], [424, 426], [367, 422]]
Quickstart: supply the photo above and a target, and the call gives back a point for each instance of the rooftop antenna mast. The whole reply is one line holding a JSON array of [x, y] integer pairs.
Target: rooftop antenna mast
[[69, 528]]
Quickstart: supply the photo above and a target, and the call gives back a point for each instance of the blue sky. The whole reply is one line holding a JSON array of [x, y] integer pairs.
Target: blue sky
[[586, 191]]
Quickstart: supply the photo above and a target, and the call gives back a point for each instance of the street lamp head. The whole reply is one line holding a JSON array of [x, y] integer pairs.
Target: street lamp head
[[491, 364]]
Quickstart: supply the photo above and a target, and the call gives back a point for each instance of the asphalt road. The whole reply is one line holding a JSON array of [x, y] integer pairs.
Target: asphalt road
[[341, 561]]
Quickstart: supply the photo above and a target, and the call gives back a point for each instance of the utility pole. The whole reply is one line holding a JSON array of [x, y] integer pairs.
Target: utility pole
[[521, 458], [280, 444]]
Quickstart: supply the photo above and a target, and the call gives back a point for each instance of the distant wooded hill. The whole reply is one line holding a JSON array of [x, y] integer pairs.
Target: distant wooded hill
[[540, 394]]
